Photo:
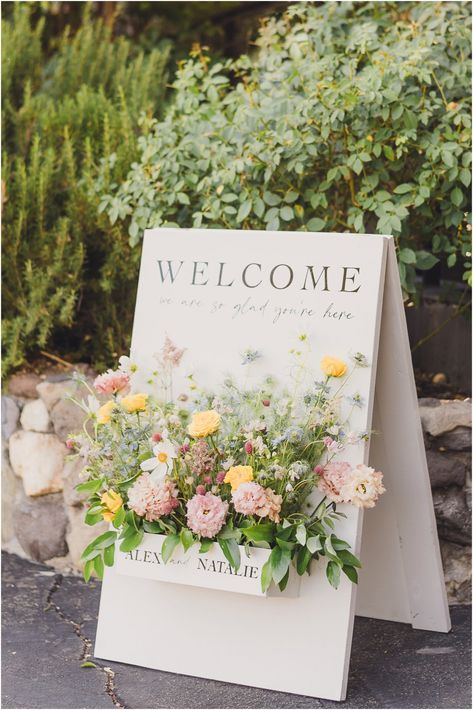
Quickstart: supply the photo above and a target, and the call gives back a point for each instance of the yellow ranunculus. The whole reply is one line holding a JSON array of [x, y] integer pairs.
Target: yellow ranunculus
[[104, 414], [113, 502], [134, 402], [236, 475], [332, 366], [204, 423]]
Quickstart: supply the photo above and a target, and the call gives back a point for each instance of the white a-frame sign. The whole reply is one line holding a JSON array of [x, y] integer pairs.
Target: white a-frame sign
[[218, 293]]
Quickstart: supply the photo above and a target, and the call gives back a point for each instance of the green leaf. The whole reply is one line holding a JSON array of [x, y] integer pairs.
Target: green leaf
[[286, 213], [88, 568], [92, 518], [100, 542], [187, 539], [132, 541], [425, 260], [348, 558], [266, 575], [88, 664], [314, 544], [351, 573], [388, 152], [280, 560], [155, 527], [333, 573], [284, 581], [205, 546], [456, 196], [315, 224], [291, 196], [109, 555], [168, 547], [465, 177], [90, 487], [183, 198], [407, 256], [452, 260], [231, 551], [285, 544], [244, 211], [301, 534], [98, 566], [271, 199], [256, 533], [119, 517], [403, 188], [304, 557]]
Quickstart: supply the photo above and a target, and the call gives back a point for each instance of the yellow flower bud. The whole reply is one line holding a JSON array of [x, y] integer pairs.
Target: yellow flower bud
[[104, 414], [134, 402], [332, 366], [236, 475], [113, 502]]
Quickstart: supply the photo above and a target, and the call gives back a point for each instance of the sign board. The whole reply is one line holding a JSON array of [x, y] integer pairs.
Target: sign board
[[219, 293]]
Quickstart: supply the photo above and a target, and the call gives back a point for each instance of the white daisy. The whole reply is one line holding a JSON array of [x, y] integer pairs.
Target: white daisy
[[161, 463]]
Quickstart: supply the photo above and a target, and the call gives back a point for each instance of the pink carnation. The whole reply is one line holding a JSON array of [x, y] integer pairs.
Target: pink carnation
[[252, 499], [333, 478], [112, 382], [206, 514], [152, 499], [249, 498]]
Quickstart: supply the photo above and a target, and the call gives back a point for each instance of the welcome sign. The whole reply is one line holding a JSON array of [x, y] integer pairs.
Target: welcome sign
[[224, 295]]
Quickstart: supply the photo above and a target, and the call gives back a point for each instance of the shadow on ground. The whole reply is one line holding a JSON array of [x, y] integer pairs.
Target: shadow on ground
[[49, 626]]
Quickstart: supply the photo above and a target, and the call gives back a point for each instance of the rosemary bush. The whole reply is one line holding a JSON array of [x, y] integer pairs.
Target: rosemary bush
[[65, 265]]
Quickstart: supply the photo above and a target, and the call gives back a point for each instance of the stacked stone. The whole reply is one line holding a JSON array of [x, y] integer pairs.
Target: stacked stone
[[447, 435], [42, 513]]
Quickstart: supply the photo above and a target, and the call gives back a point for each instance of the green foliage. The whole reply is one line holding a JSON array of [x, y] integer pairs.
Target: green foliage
[[351, 117], [69, 276]]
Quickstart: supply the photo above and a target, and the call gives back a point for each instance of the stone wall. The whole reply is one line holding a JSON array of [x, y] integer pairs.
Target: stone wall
[[42, 514]]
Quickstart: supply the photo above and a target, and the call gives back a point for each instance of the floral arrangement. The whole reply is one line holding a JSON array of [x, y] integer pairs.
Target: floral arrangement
[[237, 467]]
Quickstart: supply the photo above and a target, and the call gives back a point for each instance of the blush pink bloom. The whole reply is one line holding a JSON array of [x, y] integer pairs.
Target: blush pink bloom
[[364, 487], [252, 499], [152, 499], [333, 478], [206, 514], [248, 447], [221, 476], [249, 498], [171, 355], [200, 490], [112, 382]]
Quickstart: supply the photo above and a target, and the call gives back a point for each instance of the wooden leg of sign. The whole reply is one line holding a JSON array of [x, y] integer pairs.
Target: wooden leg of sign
[[402, 577]]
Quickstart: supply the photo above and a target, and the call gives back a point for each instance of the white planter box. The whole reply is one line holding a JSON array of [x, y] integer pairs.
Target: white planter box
[[209, 569]]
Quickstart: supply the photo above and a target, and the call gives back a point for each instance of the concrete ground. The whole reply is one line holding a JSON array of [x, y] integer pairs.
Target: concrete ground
[[49, 627]]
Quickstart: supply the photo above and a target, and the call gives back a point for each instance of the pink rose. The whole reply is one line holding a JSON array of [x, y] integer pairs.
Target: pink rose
[[206, 514]]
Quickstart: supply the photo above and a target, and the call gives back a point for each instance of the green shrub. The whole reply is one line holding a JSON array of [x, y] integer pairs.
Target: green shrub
[[69, 276], [350, 117]]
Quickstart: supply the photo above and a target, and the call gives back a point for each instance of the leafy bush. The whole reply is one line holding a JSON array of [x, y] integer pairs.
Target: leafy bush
[[63, 264], [351, 117]]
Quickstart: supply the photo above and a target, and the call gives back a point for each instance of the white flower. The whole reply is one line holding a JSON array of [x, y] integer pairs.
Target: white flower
[[282, 406], [333, 430], [127, 365], [92, 405], [259, 445], [289, 488], [228, 463], [159, 465]]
